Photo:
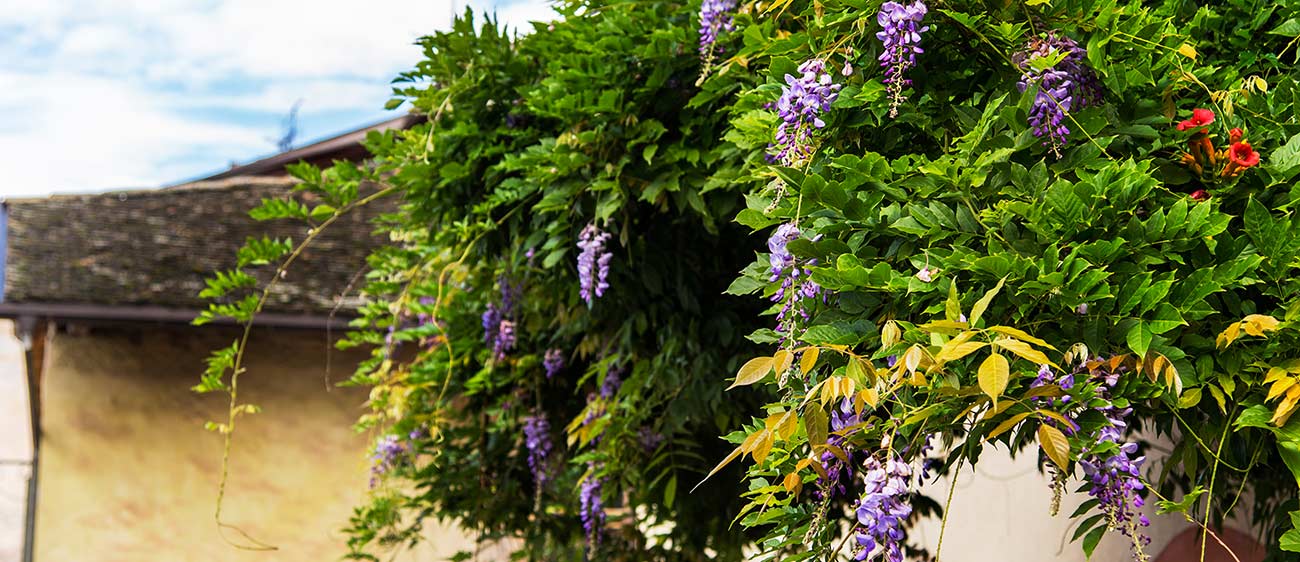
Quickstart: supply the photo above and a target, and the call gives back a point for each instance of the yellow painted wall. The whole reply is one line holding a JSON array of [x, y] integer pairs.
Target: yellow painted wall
[[128, 474]]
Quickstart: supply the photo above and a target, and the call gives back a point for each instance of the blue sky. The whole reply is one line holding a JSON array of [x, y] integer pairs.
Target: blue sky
[[108, 94]]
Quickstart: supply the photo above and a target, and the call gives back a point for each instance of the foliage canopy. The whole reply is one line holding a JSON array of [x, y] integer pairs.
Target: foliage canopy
[[1025, 238]]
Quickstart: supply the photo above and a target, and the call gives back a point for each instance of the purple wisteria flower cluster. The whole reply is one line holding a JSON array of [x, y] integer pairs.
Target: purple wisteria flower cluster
[[537, 439], [593, 263], [1046, 376], [498, 320], [715, 16], [883, 509], [1114, 477], [613, 381], [591, 508], [649, 439], [388, 453], [803, 100], [553, 362], [797, 285], [900, 35], [1066, 86], [839, 474], [597, 402]]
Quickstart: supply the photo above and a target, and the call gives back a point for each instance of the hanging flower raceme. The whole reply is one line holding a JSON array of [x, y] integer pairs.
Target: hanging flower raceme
[[537, 439], [1057, 65], [498, 324], [1046, 376], [387, 454], [553, 362], [796, 281], [593, 263], [839, 474], [591, 508], [1210, 163], [882, 510], [900, 35], [1113, 473], [803, 100], [715, 16], [649, 439]]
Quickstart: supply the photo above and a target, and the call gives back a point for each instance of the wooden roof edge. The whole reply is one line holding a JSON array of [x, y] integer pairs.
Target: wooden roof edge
[[149, 313]]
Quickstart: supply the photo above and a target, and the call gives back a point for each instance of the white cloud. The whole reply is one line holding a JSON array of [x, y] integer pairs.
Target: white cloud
[[120, 93]]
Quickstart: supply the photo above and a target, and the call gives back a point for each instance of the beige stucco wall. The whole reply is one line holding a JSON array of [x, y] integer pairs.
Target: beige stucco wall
[[15, 444], [128, 474]]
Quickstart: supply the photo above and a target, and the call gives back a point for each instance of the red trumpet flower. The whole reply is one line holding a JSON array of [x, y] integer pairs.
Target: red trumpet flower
[[1243, 155], [1235, 135], [1200, 118]]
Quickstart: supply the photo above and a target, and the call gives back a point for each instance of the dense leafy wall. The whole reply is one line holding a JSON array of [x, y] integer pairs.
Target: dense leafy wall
[[986, 224]]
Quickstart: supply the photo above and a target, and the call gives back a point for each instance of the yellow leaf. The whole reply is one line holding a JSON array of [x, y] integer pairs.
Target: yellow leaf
[[1022, 335], [763, 448], [1047, 390], [994, 373], [870, 397], [1005, 425], [731, 457], [912, 358], [1172, 380], [1280, 386], [952, 352], [1228, 335], [752, 441], [1038, 2], [1024, 350], [782, 361], [996, 410], [830, 389], [983, 304], [1056, 416], [1264, 322], [847, 385], [808, 360], [1274, 373], [752, 372], [1187, 50], [890, 334], [946, 326], [1283, 411], [815, 424], [787, 426], [792, 482], [1055, 445]]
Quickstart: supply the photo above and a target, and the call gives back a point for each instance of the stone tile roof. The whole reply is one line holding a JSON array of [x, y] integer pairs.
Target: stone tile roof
[[153, 248]]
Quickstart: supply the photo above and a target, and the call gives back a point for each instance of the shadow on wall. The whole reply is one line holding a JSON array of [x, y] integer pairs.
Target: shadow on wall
[[1186, 547]]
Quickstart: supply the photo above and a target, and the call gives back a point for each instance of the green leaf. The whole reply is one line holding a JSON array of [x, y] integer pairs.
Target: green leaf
[[1286, 159], [670, 491], [1290, 451], [322, 212], [1139, 338], [1183, 505], [1190, 398], [983, 304], [1288, 28], [1090, 542]]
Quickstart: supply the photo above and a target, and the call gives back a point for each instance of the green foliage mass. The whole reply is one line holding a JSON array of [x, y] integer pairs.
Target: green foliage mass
[[947, 238]]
